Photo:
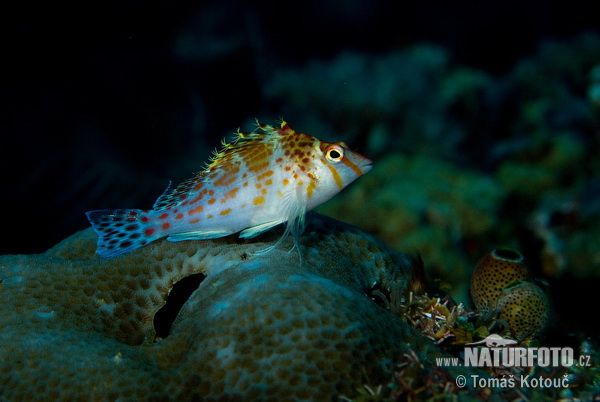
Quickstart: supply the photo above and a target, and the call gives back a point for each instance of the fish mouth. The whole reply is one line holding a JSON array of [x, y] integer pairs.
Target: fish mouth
[[359, 163], [367, 164]]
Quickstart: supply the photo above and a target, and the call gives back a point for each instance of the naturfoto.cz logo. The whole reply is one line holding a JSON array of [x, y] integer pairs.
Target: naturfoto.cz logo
[[497, 354], [495, 351]]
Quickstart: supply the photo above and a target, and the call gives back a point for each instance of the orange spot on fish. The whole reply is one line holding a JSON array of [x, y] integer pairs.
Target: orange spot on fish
[[309, 189], [286, 182], [268, 182], [145, 219], [264, 191], [259, 166], [279, 160], [230, 194], [211, 192], [166, 225], [226, 180], [225, 212], [259, 200], [149, 231], [264, 175], [179, 216], [212, 201], [198, 186], [209, 216], [163, 216], [196, 210], [195, 220]]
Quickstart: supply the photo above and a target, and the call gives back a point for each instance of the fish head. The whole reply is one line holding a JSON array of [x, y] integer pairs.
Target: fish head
[[334, 168]]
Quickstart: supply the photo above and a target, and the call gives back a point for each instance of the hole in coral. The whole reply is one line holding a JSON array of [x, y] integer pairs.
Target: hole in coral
[[181, 292], [379, 295]]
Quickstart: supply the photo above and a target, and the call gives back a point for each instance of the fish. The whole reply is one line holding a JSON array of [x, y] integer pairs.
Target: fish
[[261, 179]]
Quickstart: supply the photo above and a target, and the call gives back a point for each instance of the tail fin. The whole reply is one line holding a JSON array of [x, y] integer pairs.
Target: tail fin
[[121, 230]]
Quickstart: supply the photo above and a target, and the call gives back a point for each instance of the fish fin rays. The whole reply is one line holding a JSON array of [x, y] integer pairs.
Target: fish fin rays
[[121, 230], [199, 235], [258, 229], [163, 201], [174, 196], [294, 227], [295, 214]]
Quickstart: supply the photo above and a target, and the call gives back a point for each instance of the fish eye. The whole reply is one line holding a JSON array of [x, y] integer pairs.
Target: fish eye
[[334, 153]]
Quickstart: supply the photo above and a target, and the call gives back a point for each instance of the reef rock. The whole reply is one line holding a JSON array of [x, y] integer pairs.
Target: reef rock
[[258, 326]]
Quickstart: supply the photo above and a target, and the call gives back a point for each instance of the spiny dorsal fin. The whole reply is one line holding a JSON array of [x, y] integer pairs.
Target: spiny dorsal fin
[[241, 147], [246, 143]]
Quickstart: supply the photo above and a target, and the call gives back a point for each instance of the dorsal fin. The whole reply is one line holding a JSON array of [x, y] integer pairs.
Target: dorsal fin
[[245, 143], [225, 161], [164, 199], [175, 196]]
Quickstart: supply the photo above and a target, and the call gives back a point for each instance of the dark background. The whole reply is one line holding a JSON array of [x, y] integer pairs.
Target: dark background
[[104, 102]]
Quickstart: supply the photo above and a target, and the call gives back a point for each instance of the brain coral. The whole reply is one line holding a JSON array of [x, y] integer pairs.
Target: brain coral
[[76, 326]]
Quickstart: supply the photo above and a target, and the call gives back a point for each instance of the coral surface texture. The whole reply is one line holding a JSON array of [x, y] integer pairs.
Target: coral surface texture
[[265, 326]]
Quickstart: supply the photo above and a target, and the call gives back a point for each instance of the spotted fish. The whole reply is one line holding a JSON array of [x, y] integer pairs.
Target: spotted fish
[[259, 180]]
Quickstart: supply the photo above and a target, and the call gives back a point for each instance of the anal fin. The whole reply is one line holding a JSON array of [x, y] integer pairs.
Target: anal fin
[[199, 235], [258, 229]]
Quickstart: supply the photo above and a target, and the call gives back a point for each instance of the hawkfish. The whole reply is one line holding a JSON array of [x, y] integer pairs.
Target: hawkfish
[[261, 179]]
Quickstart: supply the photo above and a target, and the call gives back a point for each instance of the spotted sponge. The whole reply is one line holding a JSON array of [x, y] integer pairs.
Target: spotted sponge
[[75, 326], [493, 273]]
